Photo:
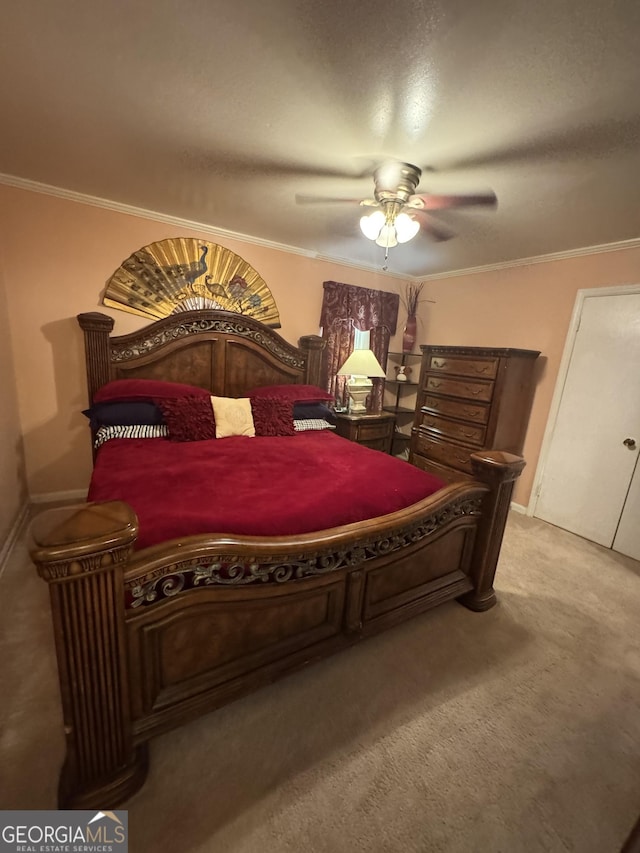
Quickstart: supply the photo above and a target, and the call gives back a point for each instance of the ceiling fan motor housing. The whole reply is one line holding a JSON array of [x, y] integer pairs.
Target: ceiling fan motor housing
[[396, 182]]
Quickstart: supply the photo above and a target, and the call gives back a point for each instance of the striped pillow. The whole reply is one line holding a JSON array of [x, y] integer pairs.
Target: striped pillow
[[135, 431]]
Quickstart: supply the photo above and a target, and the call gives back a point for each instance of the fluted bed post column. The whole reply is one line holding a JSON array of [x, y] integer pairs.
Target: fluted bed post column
[[314, 346], [81, 552], [97, 328], [499, 471]]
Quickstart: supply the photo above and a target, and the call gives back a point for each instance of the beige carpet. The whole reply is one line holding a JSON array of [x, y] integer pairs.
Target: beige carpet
[[512, 730]]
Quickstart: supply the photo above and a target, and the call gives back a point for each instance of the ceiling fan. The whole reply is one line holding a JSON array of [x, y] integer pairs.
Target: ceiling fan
[[400, 211]]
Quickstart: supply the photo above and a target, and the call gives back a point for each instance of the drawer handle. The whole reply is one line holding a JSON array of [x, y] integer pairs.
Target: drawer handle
[[467, 434], [434, 383], [471, 413], [479, 369], [439, 363], [471, 391]]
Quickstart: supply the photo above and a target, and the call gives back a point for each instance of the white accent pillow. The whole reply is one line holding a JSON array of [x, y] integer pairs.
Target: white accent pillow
[[233, 416]]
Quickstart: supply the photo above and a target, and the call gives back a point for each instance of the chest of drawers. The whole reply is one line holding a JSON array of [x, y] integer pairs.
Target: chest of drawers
[[470, 399]]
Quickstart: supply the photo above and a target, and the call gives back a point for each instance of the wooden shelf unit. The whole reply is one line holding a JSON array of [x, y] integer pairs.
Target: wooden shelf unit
[[401, 398]]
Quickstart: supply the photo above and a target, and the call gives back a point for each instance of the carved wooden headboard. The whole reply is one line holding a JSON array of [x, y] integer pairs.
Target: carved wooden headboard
[[229, 354]]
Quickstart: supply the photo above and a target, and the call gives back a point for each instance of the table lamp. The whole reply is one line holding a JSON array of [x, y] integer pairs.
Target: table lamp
[[359, 367]]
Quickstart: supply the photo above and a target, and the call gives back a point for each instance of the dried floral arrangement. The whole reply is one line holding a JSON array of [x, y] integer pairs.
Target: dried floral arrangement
[[412, 297]]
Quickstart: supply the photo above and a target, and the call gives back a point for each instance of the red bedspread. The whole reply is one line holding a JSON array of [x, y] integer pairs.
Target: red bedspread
[[255, 486]]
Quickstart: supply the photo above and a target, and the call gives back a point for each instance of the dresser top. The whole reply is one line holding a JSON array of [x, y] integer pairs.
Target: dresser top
[[482, 352]]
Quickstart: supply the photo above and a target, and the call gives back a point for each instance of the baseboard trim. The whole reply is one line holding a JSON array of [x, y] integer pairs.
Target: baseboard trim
[[13, 535], [55, 497], [522, 510]]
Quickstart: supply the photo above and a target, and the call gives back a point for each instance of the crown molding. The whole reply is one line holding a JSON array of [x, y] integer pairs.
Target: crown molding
[[142, 213], [536, 259]]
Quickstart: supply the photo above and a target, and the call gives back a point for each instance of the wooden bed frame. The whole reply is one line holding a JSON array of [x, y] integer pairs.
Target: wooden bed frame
[[189, 641]]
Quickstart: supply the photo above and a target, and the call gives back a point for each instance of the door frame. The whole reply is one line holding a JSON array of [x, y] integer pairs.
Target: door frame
[[574, 325]]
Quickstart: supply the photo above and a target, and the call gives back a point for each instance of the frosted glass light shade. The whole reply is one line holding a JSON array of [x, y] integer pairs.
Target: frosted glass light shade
[[406, 227], [387, 237], [371, 225]]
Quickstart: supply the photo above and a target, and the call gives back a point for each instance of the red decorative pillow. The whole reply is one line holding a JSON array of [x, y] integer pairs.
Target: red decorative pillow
[[146, 389], [272, 416], [188, 418], [294, 393]]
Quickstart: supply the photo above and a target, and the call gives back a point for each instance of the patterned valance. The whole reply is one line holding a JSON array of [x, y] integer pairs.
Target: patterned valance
[[366, 308]]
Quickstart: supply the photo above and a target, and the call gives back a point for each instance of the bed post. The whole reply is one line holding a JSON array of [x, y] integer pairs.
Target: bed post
[[499, 471], [313, 346], [97, 328], [81, 552]]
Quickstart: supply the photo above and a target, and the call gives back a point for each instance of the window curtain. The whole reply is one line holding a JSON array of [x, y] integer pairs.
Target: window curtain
[[345, 308]]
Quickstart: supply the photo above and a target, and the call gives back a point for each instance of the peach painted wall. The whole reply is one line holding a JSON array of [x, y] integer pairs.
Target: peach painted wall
[[13, 494], [528, 307], [59, 255]]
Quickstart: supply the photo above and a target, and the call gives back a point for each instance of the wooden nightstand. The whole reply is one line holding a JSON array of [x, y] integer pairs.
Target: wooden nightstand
[[374, 431]]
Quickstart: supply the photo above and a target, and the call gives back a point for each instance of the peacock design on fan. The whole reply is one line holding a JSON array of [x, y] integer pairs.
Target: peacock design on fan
[[185, 274], [191, 272]]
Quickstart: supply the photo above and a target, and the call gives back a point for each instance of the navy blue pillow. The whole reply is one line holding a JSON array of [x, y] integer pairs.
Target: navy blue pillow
[[127, 413], [313, 411]]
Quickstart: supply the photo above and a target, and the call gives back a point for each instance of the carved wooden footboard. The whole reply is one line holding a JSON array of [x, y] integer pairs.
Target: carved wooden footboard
[[146, 641]]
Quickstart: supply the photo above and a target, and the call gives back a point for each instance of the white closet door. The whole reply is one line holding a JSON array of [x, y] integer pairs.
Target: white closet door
[[588, 469], [627, 538]]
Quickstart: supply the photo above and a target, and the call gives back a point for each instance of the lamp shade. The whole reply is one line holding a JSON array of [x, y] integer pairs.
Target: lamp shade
[[361, 362], [387, 237], [406, 227], [371, 225]]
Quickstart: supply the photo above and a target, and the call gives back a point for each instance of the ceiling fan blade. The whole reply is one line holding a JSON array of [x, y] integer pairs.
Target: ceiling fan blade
[[435, 230], [592, 140], [445, 202], [323, 199]]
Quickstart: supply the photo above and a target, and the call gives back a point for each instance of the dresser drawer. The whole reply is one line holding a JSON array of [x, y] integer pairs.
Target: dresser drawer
[[375, 431], [469, 433], [468, 390], [449, 475], [464, 366], [465, 411], [443, 452]]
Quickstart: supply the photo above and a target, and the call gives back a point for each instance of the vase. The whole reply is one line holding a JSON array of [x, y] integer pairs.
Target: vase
[[409, 334]]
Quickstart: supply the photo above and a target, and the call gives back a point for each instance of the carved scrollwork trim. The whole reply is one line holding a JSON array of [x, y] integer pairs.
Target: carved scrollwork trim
[[125, 351], [66, 568], [234, 570]]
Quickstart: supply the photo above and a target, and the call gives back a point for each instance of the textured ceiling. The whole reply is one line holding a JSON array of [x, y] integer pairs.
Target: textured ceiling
[[220, 112]]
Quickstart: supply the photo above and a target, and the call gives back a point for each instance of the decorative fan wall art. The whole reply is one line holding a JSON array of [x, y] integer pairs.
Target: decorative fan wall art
[[185, 274]]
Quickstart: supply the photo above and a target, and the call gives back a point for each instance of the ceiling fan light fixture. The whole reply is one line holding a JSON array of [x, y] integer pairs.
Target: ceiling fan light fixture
[[388, 231], [406, 227]]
